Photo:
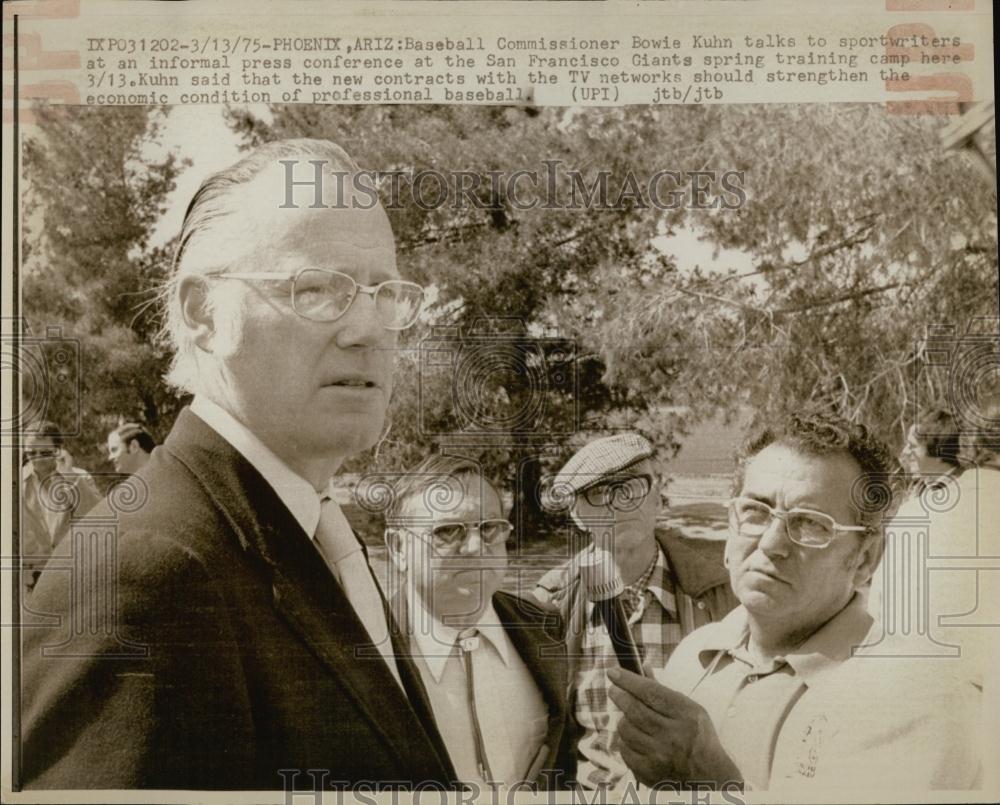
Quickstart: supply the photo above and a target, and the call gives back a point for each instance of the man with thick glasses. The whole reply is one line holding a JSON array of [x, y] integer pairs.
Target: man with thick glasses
[[780, 694], [251, 648], [50, 498], [673, 584], [493, 664]]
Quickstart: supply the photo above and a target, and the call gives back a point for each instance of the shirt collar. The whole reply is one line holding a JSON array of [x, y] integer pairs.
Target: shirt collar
[[435, 642], [294, 491], [658, 583], [833, 642], [823, 650]]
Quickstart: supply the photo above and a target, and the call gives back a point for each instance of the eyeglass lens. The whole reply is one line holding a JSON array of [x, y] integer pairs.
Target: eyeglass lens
[[619, 492], [491, 532], [810, 528], [323, 295]]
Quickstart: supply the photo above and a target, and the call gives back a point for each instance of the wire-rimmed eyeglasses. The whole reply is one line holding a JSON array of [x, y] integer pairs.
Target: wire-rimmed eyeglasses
[[323, 294]]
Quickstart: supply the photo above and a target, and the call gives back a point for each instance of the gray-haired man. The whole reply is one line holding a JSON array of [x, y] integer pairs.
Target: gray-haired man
[[243, 597]]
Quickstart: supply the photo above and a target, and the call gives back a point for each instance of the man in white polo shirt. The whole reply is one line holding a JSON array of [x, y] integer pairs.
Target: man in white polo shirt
[[774, 696]]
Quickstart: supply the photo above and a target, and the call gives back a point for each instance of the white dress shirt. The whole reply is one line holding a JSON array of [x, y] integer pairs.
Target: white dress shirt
[[511, 709], [294, 491]]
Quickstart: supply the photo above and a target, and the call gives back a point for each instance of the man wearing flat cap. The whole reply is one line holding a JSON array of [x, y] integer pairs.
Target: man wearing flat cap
[[673, 584]]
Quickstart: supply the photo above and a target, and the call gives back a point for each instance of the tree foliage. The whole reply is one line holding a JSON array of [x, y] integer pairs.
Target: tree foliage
[[94, 194], [857, 233], [859, 243]]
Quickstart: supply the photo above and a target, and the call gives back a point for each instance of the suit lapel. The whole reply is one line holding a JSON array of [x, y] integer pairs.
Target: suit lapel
[[543, 654], [304, 591]]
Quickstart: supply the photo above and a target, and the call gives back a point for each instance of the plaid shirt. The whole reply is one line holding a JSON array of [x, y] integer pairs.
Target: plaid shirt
[[656, 631]]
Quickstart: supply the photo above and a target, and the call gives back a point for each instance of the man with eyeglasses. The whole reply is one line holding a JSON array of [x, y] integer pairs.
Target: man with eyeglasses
[[673, 584], [50, 499], [244, 601], [779, 694], [493, 664]]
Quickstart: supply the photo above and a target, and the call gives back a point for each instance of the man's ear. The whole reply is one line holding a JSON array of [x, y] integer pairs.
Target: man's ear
[[396, 544], [197, 313], [869, 557], [133, 446]]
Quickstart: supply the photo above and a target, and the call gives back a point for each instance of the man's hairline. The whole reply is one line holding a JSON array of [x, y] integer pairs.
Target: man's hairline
[[471, 472], [870, 531]]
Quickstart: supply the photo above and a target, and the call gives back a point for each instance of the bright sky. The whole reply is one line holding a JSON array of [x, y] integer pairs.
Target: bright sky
[[200, 134]]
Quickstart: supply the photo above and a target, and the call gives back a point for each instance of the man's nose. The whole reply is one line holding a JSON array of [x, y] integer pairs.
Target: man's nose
[[774, 541], [473, 543], [360, 325]]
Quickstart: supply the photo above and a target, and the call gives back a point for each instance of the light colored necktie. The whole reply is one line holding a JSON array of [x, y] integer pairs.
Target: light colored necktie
[[342, 552], [468, 642]]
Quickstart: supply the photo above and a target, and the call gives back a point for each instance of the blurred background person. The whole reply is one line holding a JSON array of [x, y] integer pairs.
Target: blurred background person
[[965, 602], [51, 496], [951, 514], [932, 448], [129, 447]]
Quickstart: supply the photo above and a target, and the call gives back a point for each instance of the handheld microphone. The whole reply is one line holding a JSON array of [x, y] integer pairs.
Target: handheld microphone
[[603, 586]]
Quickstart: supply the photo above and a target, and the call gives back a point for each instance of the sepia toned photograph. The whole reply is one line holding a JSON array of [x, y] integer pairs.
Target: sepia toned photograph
[[406, 451]]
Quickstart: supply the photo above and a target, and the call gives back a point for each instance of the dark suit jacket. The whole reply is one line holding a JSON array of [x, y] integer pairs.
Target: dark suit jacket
[[231, 656], [536, 632]]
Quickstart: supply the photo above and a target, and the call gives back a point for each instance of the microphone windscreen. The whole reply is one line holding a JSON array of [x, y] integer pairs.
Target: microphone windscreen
[[600, 577]]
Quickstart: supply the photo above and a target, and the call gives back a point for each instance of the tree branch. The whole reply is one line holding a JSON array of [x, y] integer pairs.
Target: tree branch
[[857, 237], [837, 299], [724, 301]]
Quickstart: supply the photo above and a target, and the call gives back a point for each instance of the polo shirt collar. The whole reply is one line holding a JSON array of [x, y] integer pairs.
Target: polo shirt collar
[[832, 643], [294, 491], [435, 642], [825, 649]]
